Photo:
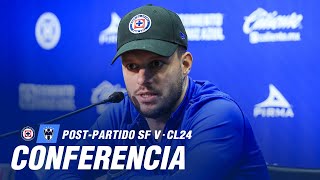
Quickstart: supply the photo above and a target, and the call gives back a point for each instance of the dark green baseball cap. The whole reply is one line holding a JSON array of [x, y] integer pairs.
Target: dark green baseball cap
[[150, 28]]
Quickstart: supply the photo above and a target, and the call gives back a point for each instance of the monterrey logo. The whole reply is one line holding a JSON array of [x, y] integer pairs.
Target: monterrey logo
[[48, 133], [139, 24], [274, 106]]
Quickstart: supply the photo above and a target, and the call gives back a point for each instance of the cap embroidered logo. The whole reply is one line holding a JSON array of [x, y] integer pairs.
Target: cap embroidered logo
[[139, 24]]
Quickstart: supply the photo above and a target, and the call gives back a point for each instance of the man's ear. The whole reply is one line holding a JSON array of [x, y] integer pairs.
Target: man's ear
[[186, 59]]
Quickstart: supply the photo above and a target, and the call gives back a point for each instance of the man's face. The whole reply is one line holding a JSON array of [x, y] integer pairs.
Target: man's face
[[154, 83]]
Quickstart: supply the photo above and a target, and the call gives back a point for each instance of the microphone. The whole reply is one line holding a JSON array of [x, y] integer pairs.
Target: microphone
[[115, 97]]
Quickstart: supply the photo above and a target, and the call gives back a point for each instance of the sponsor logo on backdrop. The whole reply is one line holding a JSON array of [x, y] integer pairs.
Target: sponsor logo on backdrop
[[199, 27], [264, 26], [109, 35], [102, 92], [46, 97], [48, 30], [274, 106], [48, 133], [27, 133], [203, 26]]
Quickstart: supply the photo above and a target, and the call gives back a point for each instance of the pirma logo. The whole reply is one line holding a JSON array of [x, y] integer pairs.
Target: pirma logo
[[274, 106], [48, 133], [27, 133]]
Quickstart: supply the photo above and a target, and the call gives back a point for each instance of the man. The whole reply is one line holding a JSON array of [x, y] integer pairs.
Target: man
[[152, 44]]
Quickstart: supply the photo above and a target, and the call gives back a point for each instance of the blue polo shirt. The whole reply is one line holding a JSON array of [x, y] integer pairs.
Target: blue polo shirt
[[222, 144]]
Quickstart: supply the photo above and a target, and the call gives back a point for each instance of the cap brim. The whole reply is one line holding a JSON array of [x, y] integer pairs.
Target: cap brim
[[163, 48]]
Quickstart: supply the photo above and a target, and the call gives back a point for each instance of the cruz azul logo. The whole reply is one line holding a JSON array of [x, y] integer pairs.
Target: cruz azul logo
[[139, 24], [274, 106], [263, 26], [48, 30], [27, 133]]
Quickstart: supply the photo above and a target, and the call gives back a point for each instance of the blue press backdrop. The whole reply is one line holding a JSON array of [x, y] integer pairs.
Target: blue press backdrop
[[263, 53]]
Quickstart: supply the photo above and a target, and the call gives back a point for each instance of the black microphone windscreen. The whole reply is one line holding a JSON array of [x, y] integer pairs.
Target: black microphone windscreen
[[116, 97]]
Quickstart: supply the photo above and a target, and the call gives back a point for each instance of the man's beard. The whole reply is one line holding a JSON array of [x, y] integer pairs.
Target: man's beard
[[167, 103]]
